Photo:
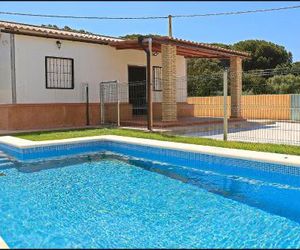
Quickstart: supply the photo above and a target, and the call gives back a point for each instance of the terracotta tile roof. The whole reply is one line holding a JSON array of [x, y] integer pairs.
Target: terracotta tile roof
[[28, 29], [203, 45], [184, 47], [51, 32]]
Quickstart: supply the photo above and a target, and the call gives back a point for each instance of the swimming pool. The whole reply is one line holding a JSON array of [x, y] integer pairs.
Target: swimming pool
[[117, 195]]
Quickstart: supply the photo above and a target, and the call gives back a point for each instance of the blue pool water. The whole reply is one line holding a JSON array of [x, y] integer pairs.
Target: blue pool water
[[110, 201]]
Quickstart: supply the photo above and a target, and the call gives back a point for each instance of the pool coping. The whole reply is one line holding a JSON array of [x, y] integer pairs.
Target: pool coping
[[3, 245], [284, 159]]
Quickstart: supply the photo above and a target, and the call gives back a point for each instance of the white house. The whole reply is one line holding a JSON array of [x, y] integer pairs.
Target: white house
[[44, 71]]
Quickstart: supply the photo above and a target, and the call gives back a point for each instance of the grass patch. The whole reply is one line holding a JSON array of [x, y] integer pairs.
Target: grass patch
[[56, 135]]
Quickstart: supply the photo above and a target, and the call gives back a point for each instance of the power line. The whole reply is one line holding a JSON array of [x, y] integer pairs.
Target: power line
[[79, 17], [239, 12], [150, 17]]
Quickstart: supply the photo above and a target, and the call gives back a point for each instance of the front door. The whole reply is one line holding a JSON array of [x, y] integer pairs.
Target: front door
[[137, 89]]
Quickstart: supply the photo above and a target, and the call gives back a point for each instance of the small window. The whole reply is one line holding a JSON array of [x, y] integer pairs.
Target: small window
[[59, 73], [157, 78]]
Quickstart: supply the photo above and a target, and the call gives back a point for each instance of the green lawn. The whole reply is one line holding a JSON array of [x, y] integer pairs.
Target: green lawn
[[55, 135]]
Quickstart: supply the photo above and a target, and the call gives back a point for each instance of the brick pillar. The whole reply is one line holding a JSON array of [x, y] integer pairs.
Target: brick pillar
[[236, 86], [169, 107]]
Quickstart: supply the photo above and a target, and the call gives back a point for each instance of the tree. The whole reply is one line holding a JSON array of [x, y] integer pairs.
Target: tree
[[264, 55], [135, 36], [52, 26], [222, 45], [66, 28], [285, 84], [204, 77], [254, 85], [288, 68]]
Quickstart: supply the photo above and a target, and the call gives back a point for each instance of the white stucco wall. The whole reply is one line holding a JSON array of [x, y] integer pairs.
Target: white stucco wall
[[5, 69], [93, 63]]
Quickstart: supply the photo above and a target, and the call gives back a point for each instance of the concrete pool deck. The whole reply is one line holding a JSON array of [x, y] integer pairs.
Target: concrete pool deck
[[256, 131], [284, 159]]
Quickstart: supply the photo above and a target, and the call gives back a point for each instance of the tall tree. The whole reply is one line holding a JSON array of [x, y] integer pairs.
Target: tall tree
[[264, 55]]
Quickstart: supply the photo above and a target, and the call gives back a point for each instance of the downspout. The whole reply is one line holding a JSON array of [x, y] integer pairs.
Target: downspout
[[148, 51], [13, 69]]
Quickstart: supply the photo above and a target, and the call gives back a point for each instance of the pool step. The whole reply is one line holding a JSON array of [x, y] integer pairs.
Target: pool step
[[6, 164], [5, 160], [3, 155]]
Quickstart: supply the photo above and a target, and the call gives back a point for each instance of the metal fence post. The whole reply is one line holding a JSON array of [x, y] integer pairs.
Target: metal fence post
[[101, 103], [225, 93], [149, 86], [118, 103]]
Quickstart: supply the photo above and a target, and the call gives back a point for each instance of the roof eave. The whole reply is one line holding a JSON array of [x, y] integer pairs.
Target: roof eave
[[54, 36]]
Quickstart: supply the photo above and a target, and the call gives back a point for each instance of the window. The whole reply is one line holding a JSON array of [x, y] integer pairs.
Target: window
[[59, 73], [157, 78]]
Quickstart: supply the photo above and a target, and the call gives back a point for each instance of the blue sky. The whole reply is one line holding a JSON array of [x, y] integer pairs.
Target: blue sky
[[280, 27]]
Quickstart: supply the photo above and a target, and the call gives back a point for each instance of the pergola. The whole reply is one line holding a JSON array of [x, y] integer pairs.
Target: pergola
[[169, 48], [184, 48]]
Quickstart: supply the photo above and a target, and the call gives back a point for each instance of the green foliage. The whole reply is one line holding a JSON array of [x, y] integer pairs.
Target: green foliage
[[52, 26], [135, 36], [255, 85], [222, 45], [66, 28], [264, 55], [204, 77], [296, 66], [291, 68], [285, 84]]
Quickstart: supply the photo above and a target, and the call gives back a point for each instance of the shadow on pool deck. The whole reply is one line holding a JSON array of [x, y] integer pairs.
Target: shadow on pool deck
[[141, 121], [209, 128]]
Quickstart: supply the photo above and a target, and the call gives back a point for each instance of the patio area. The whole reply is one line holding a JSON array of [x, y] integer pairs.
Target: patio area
[[255, 131], [141, 121], [173, 82]]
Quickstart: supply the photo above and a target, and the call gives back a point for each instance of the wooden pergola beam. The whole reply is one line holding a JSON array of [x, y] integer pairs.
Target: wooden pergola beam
[[180, 51], [195, 53], [201, 47], [183, 48]]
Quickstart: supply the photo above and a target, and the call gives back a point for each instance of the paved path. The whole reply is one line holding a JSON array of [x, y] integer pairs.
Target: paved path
[[277, 132]]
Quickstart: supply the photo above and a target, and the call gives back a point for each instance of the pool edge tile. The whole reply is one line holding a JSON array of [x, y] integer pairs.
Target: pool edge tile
[[283, 159]]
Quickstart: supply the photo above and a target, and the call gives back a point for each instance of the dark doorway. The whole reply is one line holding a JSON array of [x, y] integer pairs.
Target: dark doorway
[[137, 89]]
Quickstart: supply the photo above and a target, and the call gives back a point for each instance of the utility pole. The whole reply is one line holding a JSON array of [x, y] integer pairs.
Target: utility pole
[[149, 86], [225, 93], [170, 26]]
